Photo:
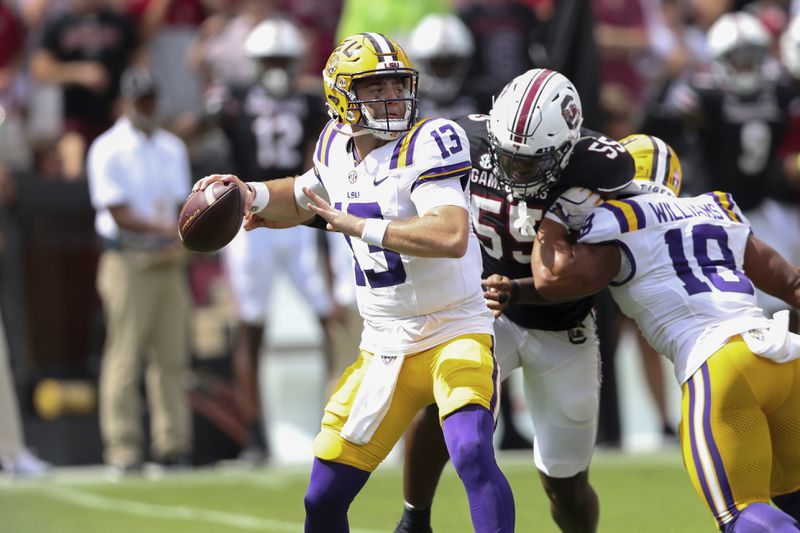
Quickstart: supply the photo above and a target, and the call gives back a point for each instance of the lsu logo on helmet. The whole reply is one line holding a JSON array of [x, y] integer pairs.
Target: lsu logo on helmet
[[361, 57]]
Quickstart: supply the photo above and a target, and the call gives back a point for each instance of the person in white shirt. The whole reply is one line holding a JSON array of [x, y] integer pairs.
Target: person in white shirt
[[138, 178], [398, 191]]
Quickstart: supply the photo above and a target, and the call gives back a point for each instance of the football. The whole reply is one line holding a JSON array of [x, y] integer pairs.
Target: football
[[211, 218]]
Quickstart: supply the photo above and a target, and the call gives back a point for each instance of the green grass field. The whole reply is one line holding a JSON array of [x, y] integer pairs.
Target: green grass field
[[638, 493]]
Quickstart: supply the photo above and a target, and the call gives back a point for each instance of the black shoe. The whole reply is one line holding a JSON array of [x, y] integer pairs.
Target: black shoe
[[415, 521], [405, 527]]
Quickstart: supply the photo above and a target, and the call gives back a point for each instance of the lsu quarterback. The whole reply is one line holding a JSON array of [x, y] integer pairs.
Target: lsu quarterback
[[397, 188]]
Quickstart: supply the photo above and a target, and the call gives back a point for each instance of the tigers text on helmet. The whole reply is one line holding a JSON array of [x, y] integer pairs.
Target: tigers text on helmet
[[442, 47], [533, 127], [739, 46], [366, 56], [790, 47], [276, 48], [658, 169]]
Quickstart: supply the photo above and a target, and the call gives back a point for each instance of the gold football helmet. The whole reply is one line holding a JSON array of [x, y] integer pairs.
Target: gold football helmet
[[363, 56], [658, 168]]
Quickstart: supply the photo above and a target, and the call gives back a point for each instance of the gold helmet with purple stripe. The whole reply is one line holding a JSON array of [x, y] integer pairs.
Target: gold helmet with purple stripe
[[658, 169], [361, 57]]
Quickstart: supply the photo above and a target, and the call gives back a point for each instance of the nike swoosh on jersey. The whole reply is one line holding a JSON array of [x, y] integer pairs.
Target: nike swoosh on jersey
[[378, 181]]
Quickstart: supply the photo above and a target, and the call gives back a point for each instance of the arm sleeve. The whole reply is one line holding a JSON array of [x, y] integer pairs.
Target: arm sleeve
[[600, 226], [438, 193], [312, 180], [440, 151]]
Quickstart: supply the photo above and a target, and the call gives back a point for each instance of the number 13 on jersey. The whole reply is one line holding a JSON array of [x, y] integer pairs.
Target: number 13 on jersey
[[378, 266]]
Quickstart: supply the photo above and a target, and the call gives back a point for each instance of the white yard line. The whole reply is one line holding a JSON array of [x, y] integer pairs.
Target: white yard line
[[175, 512]]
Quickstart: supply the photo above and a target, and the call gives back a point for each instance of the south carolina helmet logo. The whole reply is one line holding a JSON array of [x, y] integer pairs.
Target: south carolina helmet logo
[[570, 111]]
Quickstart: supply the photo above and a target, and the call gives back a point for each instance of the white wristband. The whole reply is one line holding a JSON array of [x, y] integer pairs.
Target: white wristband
[[374, 230], [260, 195]]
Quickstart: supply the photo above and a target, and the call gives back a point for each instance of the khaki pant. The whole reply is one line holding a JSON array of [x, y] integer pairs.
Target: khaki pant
[[11, 441], [147, 310]]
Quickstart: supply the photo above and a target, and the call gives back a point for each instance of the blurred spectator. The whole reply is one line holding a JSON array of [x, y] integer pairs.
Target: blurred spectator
[[138, 178], [506, 33], [318, 20], [85, 50], [14, 150], [441, 47], [272, 128], [15, 458], [622, 38], [217, 54], [167, 28], [389, 17]]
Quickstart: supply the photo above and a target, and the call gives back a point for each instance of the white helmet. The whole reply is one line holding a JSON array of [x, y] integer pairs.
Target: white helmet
[[533, 127], [790, 47], [738, 44], [276, 47], [441, 47]]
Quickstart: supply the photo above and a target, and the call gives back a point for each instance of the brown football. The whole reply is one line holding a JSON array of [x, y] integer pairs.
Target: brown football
[[211, 218]]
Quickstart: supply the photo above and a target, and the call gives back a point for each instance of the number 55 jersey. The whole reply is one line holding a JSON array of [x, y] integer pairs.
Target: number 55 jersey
[[681, 276], [409, 304]]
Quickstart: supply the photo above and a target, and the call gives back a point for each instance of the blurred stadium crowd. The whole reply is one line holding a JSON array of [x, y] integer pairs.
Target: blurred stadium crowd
[[635, 64]]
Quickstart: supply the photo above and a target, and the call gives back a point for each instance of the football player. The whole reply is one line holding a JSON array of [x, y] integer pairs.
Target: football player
[[442, 47], [397, 188], [271, 129], [525, 153], [684, 269], [739, 112]]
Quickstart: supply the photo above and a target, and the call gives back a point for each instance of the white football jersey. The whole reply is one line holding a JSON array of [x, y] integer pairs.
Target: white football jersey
[[681, 277], [409, 304]]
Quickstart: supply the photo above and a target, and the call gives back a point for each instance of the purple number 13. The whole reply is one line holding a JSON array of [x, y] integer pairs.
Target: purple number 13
[[701, 235], [452, 137]]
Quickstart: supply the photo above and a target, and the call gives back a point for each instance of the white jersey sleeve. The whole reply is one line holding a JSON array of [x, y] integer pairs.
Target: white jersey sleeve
[[309, 179], [682, 279], [408, 303], [442, 162]]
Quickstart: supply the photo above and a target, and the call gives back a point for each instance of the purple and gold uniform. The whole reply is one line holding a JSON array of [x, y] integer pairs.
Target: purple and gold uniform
[[429, 311], [682, 281]]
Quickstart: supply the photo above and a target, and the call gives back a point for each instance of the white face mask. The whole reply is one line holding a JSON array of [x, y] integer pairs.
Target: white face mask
[[276, 81]]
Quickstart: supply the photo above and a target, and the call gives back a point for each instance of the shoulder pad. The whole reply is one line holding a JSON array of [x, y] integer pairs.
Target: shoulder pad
[[323, 149], [600, 164], [435, 148], [611, 219], [726, 202]]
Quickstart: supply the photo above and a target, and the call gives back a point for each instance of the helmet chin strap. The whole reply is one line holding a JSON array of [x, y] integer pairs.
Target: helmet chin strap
[[348, 132], [524, 223]]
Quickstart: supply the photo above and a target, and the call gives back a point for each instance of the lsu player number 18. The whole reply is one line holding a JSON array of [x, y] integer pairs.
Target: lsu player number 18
[[684, 269], [528, 151], [397, 188]]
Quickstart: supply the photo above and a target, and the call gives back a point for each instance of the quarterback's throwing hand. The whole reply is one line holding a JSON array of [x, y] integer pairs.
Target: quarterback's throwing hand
[[336, 220]]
